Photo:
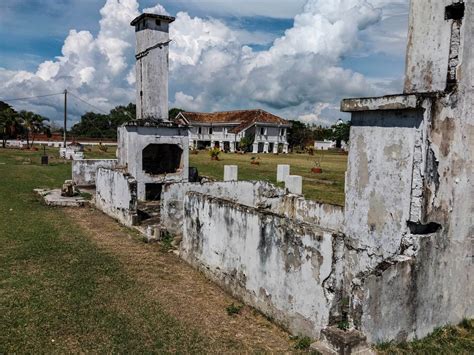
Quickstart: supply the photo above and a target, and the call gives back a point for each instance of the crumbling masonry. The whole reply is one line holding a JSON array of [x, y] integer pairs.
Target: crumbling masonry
[[394, 264]]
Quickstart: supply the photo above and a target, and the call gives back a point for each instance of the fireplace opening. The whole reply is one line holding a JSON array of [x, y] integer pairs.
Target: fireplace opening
[[153, 192], [161, 159]]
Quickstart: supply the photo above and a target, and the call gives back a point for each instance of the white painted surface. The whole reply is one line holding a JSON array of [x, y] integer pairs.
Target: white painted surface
[[116, 195], [282, 172], [231, 173], [252, 255], [294, 184], [84, 171]]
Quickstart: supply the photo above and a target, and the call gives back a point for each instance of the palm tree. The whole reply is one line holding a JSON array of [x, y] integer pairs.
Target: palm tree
[[33, 123], [8, 123]]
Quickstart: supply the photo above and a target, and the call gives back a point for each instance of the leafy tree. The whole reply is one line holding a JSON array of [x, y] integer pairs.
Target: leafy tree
[[33, 123], [246, 143], [174, 112], [341, 132], [300, 135], [8, 123]]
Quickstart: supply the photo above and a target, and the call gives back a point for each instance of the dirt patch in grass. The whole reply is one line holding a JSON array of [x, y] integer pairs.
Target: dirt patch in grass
[[182, 292]]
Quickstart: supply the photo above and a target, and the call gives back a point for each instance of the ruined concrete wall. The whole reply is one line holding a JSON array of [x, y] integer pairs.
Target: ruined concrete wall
[[321, 214], [277, 265], [428, 46], [84, 171], [379, 178], [116, 195], [134, 139], [435, 286], [249, 193]]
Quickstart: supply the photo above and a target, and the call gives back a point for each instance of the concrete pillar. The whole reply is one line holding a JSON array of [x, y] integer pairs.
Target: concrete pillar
[[285, 148], [282, 172], [275, 148], [265, 147], [255, 148], [221, 145], [231, 172], [232, 147], [294, 184]]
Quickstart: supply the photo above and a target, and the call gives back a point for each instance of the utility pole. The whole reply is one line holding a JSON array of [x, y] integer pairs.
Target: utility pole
[[65, 118]]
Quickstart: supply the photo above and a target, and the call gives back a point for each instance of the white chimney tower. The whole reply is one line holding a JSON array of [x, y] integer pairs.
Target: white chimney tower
[[152, 55]]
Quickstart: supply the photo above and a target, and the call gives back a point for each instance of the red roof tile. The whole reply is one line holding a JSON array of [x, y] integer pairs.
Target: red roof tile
[[242, 118]]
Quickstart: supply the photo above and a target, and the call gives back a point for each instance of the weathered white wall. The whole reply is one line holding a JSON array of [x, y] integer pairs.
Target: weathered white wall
[[84, 171], [270, 262], [379, 178], [320, 214], [249, 193], [427, 272], [116, 195], [152, 71], [428, 46], [133, 139]]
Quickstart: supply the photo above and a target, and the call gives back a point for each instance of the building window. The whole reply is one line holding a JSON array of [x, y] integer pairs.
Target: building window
[[199, 130], [263, 131], [282, 131], [210, 130], [158, 22]]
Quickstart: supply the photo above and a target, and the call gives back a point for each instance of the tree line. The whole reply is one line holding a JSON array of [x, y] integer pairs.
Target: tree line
[[302, 135], [25, 124]]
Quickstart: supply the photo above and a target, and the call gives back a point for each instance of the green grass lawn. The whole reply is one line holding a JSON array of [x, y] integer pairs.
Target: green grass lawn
[[447, 340], [327, 187], [61, 293], [58, 291]]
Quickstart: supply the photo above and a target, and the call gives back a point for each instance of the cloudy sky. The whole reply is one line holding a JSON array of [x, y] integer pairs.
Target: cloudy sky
[[295, 58]]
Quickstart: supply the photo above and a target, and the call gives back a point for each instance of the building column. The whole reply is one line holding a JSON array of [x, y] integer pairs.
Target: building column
[[221, 146], [232, 147], [255, 148], [265, 147], [275, 148], [285, 148]]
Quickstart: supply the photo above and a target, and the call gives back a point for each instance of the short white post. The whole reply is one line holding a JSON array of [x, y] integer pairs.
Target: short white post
[[255, 148], [231, 172], [282, 172], [294, 184], [285, 149], [265, 147]]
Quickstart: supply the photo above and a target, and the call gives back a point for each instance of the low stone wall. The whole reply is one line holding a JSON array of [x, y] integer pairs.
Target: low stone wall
[[249, 193], [321, 214], [116, 195], [279, 266], [84, 171]]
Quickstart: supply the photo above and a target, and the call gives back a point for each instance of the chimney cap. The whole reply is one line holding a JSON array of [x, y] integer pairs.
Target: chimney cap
[[168, 19]]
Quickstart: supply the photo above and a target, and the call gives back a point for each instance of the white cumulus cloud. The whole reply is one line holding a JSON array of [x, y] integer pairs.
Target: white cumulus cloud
[[213, 66]]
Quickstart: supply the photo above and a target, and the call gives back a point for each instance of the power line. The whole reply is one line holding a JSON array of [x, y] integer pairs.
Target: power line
[[30, 97], [87, 103]]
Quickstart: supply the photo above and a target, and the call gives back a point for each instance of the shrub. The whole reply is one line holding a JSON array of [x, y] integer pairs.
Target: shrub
[[303, 343], [233, 309], [214, 153]]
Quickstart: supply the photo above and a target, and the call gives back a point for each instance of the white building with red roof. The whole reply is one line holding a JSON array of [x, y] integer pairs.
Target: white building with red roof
[[225, 130]]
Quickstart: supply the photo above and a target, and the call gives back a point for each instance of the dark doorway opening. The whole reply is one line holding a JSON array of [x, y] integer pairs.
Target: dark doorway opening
[[161, 159], [153, 192]]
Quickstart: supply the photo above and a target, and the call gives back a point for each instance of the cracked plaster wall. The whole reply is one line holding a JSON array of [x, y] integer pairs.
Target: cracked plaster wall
[[282, 267], [116, 195], [84, 171]]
